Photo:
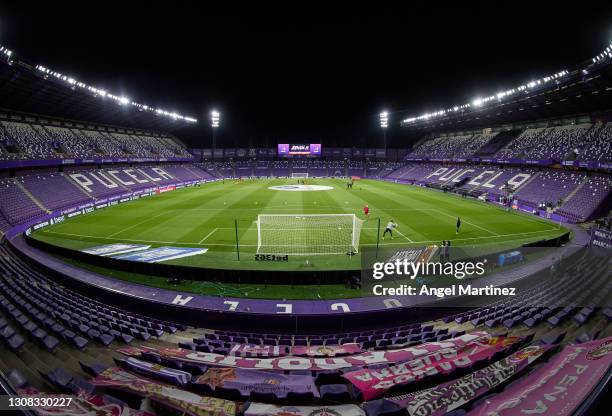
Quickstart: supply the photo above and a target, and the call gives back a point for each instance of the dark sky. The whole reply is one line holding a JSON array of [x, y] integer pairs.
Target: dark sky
[[304, 74]]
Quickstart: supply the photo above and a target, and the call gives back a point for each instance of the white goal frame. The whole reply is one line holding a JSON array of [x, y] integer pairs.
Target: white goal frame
[[285, 232], [299, 175]]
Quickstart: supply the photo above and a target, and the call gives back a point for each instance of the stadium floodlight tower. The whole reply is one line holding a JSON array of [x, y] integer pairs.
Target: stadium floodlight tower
[[215, 122], [384, 123]]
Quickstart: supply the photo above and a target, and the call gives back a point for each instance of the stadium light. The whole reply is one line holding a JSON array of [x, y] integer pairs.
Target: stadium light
[[482, 101], [215, 119], [75, 84], [384, 119], [384, 123], [215, 122]]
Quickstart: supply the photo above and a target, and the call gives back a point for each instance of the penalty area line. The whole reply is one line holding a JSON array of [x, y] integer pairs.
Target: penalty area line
[[207, 235], [402, 234]]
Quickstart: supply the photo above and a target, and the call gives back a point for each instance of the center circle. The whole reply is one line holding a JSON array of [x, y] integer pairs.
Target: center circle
[[300, 188]]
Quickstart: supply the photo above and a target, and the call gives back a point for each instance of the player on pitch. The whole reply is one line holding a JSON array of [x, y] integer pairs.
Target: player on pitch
[[366, 210], [391, 225]]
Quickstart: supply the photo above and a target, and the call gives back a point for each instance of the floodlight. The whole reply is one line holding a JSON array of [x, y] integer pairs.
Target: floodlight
[[384, 119], [215, 118]]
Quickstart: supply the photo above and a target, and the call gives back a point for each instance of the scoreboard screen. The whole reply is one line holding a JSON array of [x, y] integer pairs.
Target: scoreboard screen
[[313, 149]]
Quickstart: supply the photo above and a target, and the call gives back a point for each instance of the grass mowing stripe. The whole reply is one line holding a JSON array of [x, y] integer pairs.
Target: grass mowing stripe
[[207, 235], [138, 224], [198, 217], [467, 222]]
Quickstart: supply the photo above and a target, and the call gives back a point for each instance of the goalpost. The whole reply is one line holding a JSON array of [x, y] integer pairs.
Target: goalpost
[[308, 234], [299, 175]]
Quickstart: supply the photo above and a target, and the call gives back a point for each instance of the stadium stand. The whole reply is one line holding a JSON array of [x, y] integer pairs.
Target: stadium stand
[[24, 140], [82, 330], [63, 342], [453, 146]]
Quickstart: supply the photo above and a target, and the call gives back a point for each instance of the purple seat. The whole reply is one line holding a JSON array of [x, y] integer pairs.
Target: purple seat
[[39, 334], [77, 385], [203, 348], [59, 378], [382, 407], [30, 326], [194, 369], [337, 393], [328, 377], [93, 369], [79, 342], [7, 332], [15, 342], [50, 343], [551, 339], [144, 336], [17, 379], [105, 339]]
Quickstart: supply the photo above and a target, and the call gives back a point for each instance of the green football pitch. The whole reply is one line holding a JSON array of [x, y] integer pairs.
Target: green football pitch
[[207, 217]]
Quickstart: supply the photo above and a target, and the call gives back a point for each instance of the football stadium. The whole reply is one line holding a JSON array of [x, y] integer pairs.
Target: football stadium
[[265, 231]]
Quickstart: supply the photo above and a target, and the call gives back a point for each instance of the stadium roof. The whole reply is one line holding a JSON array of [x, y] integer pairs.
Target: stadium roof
[[25, 86], [586, 88]]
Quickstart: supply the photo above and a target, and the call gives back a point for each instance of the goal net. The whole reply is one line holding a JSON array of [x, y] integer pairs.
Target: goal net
[[299, 174], [308, 234]]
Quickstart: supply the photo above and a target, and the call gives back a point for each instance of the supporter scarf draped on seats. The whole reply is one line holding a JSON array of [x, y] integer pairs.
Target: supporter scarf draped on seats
[[248, 381], [307, 363], [181, 400], [449, 396], [170, 375], [558, 387], [373, 383], [325, 351], [245, 350], [260, 409], [83, 404]]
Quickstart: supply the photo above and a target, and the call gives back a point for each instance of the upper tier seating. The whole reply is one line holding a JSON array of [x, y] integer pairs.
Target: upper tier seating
[[452, 146], [22, 140], [545, 143]]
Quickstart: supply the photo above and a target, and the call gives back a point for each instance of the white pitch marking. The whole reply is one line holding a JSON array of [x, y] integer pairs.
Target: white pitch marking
[[467, 222], [400, 233], [137, 224], [254, 245], [207, 235]]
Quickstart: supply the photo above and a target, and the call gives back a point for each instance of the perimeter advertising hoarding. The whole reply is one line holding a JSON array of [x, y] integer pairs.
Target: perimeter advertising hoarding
[[313, 149]]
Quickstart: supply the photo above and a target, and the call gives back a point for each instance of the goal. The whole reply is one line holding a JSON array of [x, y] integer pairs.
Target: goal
[[308, 234], [299, 175]]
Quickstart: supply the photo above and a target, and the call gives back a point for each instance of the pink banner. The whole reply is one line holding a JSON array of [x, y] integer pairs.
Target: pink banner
[[558, 387], [83, 404], [375, 382], [326, 351], [325, 363], [449, 396], [181, 400]]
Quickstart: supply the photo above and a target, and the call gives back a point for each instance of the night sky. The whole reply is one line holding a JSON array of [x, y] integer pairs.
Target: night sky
[[304, 74]]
